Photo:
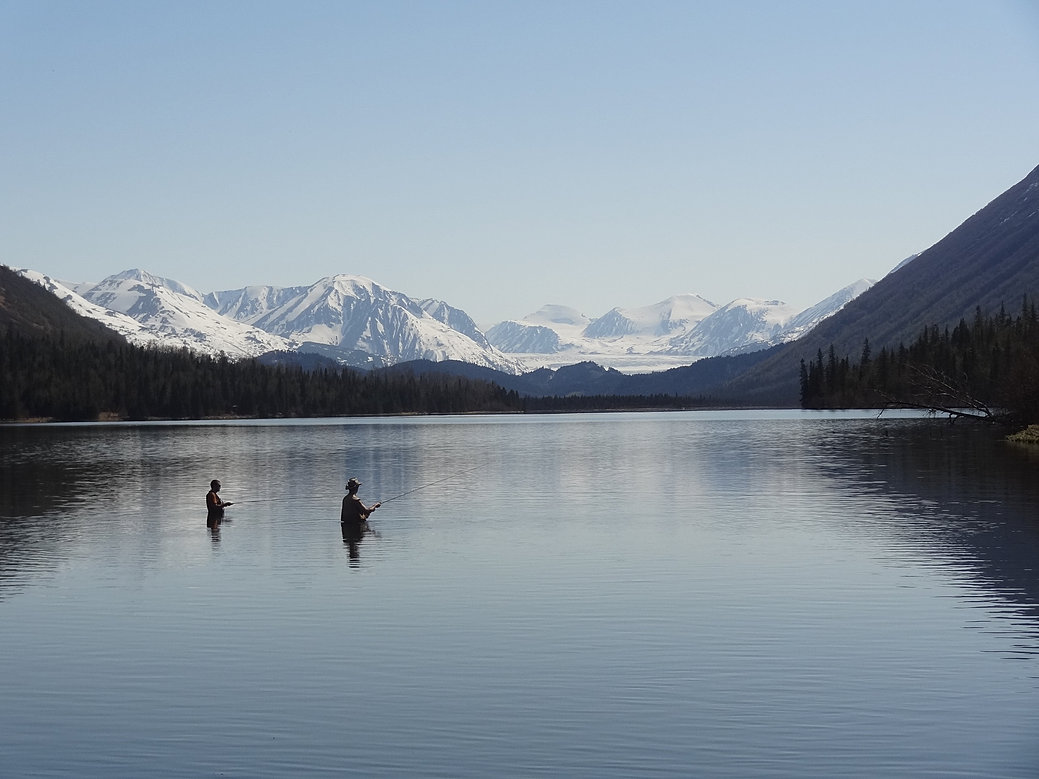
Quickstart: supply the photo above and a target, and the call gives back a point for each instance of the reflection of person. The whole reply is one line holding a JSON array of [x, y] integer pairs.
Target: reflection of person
[[214, 505], [355, 512], [353, 532]]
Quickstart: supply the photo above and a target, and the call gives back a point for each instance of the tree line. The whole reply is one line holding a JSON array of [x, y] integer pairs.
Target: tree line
[[53, 377], [71, 379], [578, 403], [987, 367]]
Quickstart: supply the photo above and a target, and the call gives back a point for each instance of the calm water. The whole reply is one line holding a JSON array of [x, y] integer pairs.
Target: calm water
[[688, 594]]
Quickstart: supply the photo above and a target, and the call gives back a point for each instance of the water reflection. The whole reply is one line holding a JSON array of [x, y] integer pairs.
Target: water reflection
[[213, 524], [353, 533], [928, 486], [65, 487], [957, 494], [606, 595]]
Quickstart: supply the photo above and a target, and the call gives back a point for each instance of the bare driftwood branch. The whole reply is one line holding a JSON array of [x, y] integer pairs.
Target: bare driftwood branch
[[932, 390]]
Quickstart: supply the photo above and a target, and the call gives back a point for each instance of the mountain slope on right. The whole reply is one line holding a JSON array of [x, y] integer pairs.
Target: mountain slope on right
[[989, 261]]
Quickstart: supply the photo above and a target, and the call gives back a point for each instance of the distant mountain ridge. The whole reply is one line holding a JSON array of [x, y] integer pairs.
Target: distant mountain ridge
[[681, 328], [355, 313], [356, 321], [347, 318], [175, 314], [989, 261]]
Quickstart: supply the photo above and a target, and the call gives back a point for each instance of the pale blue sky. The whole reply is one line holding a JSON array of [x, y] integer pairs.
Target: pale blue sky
[[503, 155]]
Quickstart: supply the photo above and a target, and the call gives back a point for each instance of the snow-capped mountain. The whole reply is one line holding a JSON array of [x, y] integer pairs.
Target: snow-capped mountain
[[354, 313], [524, 338], [557, 315], [672, 332], [733, 327], [250, 303], [175, 314], [557, 328], [550, 329], [145, 311], [357, 321], [128, 327], [800, 324], [137, 275], [349, 318], [456, 319], [676, 314]]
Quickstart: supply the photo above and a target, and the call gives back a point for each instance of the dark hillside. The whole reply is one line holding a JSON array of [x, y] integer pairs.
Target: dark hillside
[[990, 260], [29, 310], [702, 379], [584, 378], [708, 377]]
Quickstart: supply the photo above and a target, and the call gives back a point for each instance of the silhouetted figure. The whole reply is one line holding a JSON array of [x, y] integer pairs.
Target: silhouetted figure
[[354, 518], [214, 505], [353, 509]]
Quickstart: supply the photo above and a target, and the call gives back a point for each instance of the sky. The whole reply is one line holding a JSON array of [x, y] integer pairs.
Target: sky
[[504, 155]]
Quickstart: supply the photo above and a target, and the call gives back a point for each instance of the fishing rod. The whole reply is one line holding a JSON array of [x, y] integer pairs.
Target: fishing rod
[[259, 500], [431, 484], [240, 501]]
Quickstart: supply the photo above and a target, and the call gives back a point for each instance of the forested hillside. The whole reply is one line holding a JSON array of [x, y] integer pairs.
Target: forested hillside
[[55, 378], [28, 308], [990, 259], [987, 367], [55, 364]]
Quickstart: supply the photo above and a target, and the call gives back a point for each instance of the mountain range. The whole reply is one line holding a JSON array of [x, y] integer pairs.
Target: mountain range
[[358, 322], [672, 332], [348, 318], [746, 352], [989, 262]]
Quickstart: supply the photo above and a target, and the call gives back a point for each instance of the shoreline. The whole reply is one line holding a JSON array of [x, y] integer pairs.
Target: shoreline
[[1028, 436]]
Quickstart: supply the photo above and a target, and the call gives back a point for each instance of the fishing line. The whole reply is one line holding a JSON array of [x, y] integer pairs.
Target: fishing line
[[381, 502], [432, 483], [260, 500]]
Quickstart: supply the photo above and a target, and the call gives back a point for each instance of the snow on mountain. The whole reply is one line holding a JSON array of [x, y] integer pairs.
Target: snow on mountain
[[338, 316], [628, 339], [513, 336], [676, 313], [549, 330], [733, 327], [554, 314], [904, 262], [353, 319], [175, 314], [356, 313], [456, 319], [810, 317], [612, 324], [144, 277], [664, 335], [128, 327], [250, 303], [748, 325]]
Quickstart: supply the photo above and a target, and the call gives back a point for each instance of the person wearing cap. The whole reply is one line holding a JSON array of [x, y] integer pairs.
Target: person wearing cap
[[355, 512], [214, 505]]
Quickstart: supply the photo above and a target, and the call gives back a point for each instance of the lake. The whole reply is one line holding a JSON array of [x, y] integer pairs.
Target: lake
[[742, 594]]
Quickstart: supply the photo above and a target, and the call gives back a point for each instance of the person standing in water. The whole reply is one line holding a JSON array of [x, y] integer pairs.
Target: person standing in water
[[354, 511], [214, 505]]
